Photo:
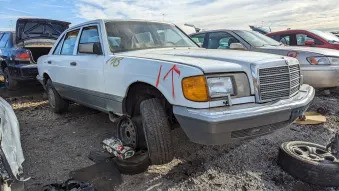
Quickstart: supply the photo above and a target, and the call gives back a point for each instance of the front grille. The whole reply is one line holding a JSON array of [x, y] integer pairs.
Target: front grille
[[278, 82]]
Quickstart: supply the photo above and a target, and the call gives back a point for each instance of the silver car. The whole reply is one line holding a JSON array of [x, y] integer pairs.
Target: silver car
[[319, 66]]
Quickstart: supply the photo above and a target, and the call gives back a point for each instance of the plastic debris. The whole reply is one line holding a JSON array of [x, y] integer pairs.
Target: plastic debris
[[311, 118], [114, 146]]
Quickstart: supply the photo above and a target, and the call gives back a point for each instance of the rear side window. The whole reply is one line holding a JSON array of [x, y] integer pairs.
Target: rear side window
[[69, 42], [4, 40], [302, 38], [285, 40], [58, 47], [89, 35]]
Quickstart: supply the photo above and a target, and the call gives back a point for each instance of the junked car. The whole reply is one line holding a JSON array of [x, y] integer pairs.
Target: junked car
[[310, 38], [11, 155], [319, 66], [20, 50], [154, 76]]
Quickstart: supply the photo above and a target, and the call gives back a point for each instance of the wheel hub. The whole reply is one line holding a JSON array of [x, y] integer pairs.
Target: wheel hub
[[128, 132], [313, 153]]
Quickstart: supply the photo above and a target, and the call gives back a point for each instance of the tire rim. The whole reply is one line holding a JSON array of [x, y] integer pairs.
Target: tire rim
[[51, 98], [312, 153], [128, 132]]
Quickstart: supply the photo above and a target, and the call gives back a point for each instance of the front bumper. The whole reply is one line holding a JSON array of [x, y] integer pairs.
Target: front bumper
[[223, 125], [321, 76]]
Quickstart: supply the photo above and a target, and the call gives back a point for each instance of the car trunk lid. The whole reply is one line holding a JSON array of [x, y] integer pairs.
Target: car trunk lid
[[32, 28]]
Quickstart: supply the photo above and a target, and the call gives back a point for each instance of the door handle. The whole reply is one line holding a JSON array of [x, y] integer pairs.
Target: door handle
[[73, 63], [49, 62]]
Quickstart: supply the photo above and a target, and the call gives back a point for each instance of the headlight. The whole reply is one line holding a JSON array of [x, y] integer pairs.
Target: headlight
[[220, 86], [321, 60]]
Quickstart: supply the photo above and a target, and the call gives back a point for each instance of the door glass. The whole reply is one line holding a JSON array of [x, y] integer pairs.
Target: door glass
[[89, 35], [58, 48], [199, 39], [285, 40], [221, 40], [4, 40], [302, 38], [69, 43]]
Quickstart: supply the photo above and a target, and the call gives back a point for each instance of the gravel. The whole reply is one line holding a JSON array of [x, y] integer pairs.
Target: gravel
[[55, 144]]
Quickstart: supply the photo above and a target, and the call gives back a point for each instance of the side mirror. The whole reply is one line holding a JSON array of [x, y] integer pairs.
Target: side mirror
[[90, 48], [237, 46], [309, 43]]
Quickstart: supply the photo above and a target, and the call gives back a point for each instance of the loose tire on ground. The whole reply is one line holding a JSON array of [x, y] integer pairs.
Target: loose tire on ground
[[9, 82], [157, 131], [322, 172], [56, 103], [137, 164]]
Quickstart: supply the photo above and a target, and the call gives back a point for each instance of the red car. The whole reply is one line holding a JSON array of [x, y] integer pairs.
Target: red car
[[314, 38]]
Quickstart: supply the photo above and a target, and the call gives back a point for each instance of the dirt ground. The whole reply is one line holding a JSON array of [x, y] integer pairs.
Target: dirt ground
[[55, 144]]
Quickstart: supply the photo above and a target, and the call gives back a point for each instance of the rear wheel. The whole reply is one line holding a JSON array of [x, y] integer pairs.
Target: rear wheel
[[9, 82], [157, 131], [56, 102]]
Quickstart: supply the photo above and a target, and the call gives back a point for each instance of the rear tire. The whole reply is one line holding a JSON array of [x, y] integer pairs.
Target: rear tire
[[157, 131], [9, 82], [56, 102]]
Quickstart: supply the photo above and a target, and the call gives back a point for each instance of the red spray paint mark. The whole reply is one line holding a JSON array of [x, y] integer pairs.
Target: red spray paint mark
[[158, 79], [173, 69], [292, 54]]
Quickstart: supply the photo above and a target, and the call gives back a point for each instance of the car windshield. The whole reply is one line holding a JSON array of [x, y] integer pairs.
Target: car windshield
[[136, 35], [256, 39], [326, 35]]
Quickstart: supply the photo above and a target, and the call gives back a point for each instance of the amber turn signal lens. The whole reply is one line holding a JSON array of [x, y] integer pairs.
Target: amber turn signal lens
[[195, 88]]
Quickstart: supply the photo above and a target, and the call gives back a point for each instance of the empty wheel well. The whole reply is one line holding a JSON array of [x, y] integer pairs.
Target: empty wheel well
[[138, 92], [45, 78]]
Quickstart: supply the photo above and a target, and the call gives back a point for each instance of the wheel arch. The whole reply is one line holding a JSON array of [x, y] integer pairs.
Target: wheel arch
[[45, 77], [139, 91]]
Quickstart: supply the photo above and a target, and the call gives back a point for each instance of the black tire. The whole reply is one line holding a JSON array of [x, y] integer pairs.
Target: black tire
[[157, 131], [9, 82], [322, 173], [56, 102], [137, 164]]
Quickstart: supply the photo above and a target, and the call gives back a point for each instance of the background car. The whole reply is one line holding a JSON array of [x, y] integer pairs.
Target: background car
[[313, 38], [20, 50], [319, 66]]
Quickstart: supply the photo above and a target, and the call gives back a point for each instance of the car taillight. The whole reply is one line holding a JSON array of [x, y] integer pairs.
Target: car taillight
[[24, 56]]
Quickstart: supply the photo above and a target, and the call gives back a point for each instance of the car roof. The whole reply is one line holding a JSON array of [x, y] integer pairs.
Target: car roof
[[288, 31], [115, 20], [218, 30]]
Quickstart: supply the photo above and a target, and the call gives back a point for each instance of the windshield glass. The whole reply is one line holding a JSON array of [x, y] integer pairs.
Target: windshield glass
[[135, 35], [256, 39], [326, 35]]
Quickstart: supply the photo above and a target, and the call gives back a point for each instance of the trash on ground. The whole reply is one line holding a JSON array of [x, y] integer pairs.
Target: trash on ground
[[309, 162], [311, 118], [103, 175], [69, 185], [114, 146]]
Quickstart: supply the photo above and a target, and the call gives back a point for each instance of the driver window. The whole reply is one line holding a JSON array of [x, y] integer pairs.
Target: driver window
[[89, 35], [221, 40], [285, 40]]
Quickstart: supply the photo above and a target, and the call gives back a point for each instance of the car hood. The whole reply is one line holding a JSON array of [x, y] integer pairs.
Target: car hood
[[209, 60], [10, 139], [314, 50]]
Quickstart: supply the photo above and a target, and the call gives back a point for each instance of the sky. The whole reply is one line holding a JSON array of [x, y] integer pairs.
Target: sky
[[206, 14]]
